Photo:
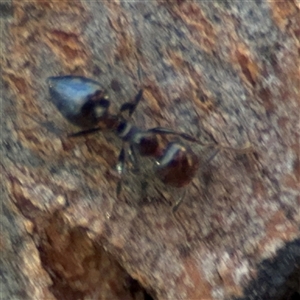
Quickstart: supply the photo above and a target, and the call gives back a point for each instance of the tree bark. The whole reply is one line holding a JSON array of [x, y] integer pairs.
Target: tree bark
[[223, 71]]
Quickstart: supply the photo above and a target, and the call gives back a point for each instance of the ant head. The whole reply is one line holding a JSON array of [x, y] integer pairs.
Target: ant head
[[178, 165], [80, 100]]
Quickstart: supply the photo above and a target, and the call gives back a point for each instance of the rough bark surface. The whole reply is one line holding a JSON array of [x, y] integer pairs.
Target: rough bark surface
[[224, 71]]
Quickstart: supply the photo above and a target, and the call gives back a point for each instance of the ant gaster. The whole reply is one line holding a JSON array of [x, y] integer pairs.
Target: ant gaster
[[85, 103]]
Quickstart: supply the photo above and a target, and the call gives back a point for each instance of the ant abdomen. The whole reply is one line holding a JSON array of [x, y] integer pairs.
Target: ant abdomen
[[178, 165]]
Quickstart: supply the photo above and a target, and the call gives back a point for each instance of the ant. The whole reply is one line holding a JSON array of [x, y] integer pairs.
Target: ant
[[83, 102]]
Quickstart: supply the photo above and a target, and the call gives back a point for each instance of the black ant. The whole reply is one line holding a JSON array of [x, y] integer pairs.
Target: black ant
[[85, 103]]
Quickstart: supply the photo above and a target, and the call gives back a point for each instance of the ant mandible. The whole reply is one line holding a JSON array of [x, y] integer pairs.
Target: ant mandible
[[83, 102]]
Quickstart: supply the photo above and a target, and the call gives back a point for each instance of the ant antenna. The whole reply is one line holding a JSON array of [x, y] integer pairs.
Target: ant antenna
[[131, 106]]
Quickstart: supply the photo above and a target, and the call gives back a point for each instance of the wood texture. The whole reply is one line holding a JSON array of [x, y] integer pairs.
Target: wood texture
[[224, 71]]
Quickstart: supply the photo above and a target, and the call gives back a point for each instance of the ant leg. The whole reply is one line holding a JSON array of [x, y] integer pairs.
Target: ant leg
[[85, 132], [131, 106], [211, 157], [244, 150], [134, 158], [218, 148], [162, 131], [120, 169], [178, 202]]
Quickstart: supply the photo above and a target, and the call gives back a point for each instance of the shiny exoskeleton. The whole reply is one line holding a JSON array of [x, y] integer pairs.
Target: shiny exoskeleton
[[85, 103]]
